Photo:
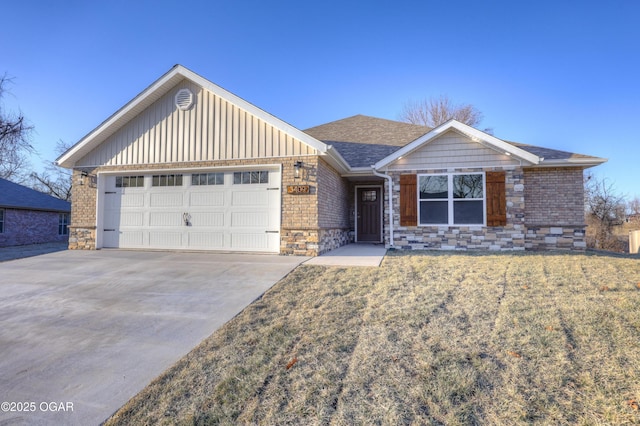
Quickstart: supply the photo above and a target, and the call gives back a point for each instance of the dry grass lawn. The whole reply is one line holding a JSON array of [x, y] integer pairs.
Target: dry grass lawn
[[497, 339]]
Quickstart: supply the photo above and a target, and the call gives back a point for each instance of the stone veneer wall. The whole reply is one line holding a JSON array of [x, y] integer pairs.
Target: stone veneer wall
[[23, 227], [509, 237], [523, 204]]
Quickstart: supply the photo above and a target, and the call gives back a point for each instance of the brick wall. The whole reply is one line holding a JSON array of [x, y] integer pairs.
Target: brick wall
[[82, 230], [555, 196], [23, 227]]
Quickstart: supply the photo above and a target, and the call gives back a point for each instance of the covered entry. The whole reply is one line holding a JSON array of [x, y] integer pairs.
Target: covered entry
[[235, 210]]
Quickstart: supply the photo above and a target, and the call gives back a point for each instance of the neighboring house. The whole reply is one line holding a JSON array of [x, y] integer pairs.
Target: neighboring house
[[31, 217], [188, 165]]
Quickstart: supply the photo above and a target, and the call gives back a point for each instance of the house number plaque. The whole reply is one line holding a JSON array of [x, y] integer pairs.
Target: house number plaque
[[297, 189]]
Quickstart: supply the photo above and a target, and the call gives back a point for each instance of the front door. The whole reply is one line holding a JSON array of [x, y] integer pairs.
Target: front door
[[369, 217]]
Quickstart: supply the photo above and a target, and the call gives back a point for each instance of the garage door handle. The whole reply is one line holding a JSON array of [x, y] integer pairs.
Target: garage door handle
[[272, 232]]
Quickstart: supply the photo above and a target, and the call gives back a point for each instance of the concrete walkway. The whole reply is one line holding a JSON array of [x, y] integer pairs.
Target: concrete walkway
[[359, 254], [84, 331]]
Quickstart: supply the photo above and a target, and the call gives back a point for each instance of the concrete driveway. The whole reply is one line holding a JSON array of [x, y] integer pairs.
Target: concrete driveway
[[83, 331]]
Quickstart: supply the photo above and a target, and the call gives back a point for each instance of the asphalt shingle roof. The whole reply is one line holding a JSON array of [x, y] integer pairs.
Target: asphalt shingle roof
[[368, 130], [361, 154], [363, 140], [17, 196]]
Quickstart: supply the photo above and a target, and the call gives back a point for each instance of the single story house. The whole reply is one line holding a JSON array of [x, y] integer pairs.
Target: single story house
[[31, 217], [188, 165]]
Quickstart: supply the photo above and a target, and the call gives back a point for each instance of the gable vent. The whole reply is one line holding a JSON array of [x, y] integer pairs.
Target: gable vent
[[184, 99]]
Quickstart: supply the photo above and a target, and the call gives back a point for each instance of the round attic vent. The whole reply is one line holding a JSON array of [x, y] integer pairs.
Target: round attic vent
[[184, 99]]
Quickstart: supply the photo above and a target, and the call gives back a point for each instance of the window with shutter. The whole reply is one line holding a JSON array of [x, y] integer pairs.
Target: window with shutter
[[408, 200], [496, 199]]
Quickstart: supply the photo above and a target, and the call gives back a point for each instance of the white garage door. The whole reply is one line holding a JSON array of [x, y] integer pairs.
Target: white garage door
[[236, 211]]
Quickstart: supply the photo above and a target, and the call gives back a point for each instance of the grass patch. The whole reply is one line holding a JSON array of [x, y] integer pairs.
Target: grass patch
[[427, 339]]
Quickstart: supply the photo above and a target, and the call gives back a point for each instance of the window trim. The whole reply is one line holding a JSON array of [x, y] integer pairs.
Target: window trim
[[451, 200], [3, 215]]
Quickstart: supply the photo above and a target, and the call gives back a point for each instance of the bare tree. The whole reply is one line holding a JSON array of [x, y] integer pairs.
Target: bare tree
[[54, 180], [605, 209], [633, 207], [432, 112], [15, 143]]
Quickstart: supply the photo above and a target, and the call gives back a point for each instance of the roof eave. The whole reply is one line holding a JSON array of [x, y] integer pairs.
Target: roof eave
[[581, 162]]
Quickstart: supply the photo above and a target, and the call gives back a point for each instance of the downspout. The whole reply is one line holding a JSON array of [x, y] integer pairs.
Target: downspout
[[390, 180]]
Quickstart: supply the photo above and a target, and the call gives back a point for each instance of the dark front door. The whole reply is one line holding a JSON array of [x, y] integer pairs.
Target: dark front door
[[369, 220]]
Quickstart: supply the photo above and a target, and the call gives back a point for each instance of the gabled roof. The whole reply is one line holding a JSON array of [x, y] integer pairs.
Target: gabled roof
[[368, 130], [529, 154], [475, 135], [16, 196], [154, 92]]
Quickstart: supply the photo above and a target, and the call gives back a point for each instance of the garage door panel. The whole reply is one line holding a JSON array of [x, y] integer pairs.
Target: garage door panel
[[130, 238], [249, 219], [132, 200], [132, 219], [249, 241], [166, 199], [210, 219], [165, 219], [206, 199], [165, 239], [250, 198], [214, 240]]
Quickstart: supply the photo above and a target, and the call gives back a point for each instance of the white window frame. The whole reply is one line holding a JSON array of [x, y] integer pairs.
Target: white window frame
[[450, 199]]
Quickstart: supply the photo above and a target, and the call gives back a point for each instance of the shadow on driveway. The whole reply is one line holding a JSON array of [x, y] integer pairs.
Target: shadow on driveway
[[19, 252]]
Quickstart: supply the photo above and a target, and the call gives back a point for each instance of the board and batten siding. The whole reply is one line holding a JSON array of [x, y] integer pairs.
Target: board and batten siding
[[212, 129], [452, 150]]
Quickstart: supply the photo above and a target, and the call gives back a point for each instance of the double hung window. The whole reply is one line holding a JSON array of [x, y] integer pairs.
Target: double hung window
[[451, 199]]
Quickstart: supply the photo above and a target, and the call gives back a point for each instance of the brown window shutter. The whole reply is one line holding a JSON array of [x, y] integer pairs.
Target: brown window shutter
[[408, 200], [496, 199]]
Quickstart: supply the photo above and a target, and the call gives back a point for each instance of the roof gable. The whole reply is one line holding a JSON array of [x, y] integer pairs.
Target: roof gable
[[474, 135], [17, 196], [155, 92]]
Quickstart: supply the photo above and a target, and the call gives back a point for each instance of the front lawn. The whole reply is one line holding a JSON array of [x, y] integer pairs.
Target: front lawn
[[427, 338]]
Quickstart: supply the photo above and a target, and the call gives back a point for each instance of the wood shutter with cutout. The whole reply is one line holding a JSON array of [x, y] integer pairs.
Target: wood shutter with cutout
[[496, 199], [408, 200]]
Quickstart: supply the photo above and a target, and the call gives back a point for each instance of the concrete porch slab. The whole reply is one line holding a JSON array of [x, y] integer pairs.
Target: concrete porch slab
[[358, 254]]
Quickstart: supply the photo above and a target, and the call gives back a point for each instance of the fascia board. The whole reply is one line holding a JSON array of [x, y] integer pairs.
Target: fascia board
[[93, 139], [576, 162]]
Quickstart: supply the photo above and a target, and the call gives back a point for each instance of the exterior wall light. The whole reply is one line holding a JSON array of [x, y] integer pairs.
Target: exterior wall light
[[83, 176], [296, 167]]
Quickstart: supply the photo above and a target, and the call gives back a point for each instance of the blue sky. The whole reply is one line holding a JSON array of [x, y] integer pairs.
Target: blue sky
[[561, 74]]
